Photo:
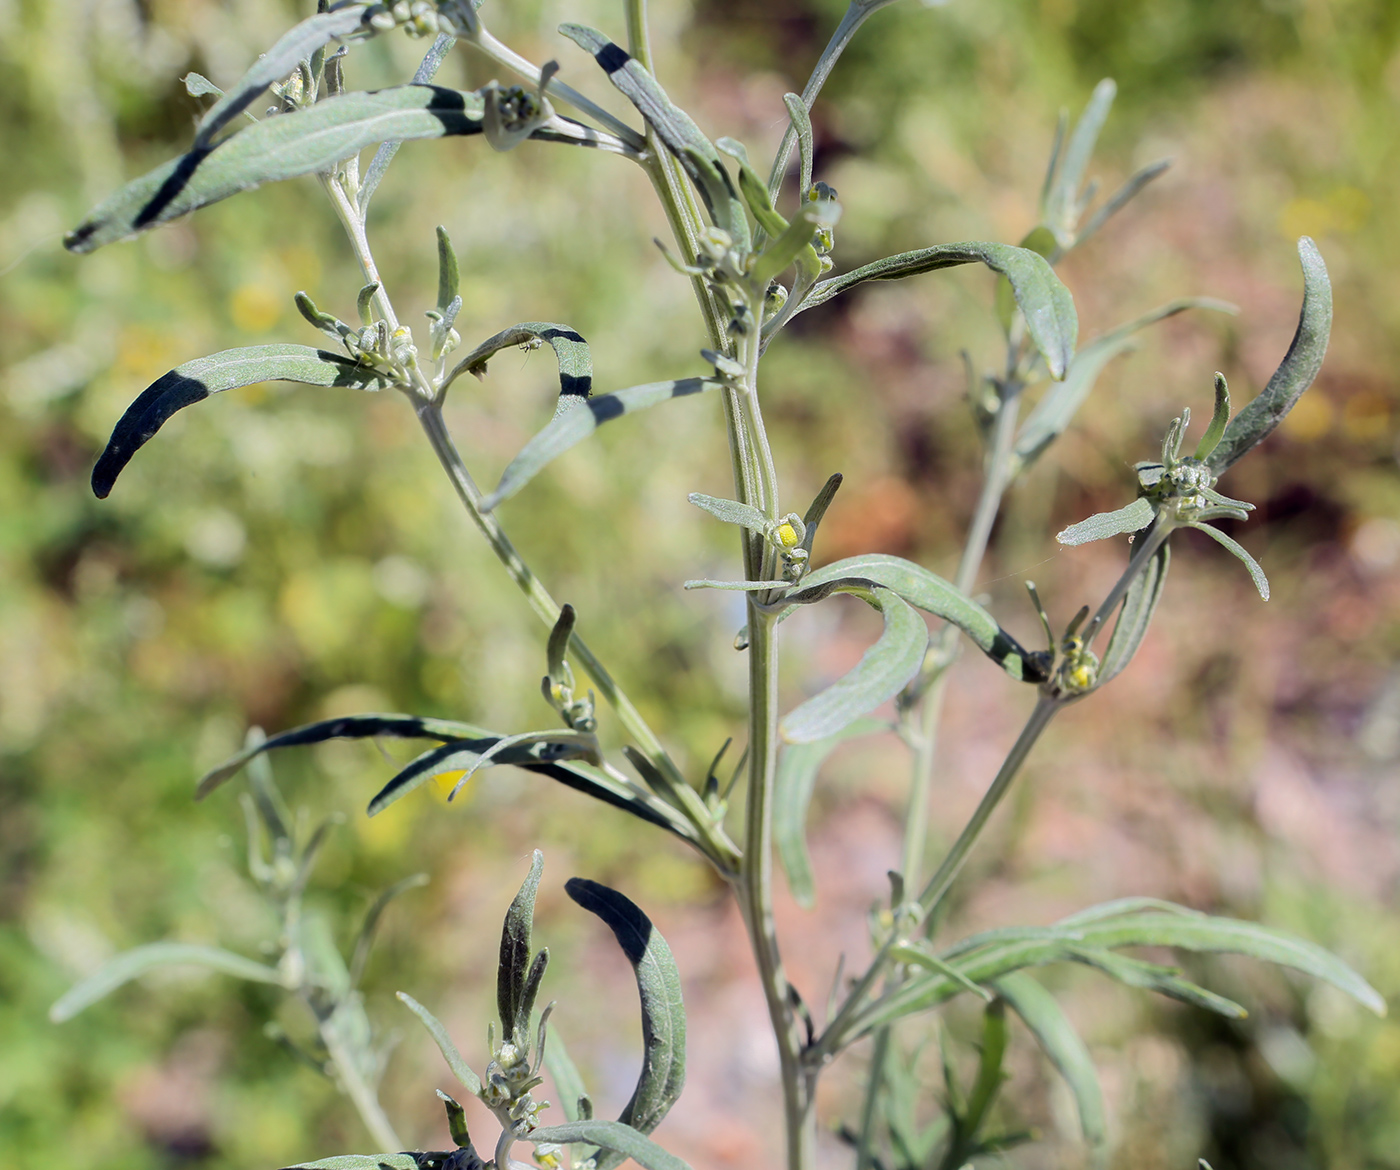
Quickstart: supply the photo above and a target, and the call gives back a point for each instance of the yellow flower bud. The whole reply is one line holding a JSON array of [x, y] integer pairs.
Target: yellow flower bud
[[787, 536]]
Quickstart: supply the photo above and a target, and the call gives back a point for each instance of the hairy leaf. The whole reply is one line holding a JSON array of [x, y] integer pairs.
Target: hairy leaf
[[435, 1160], [460, 1069], [515, 951], [137, 962], [1256, 574], [1043, 299], [196, 380], [879, 675], [570, 351], [663, 1011], [1296, 373], [1139, 604], [573, 426], [802, 125], [621, 1140], [731, 511], [1132, 517]]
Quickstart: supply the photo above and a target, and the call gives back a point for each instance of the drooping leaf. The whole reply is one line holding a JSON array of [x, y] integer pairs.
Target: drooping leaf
[[196, 380], [460, 1068], [932, 594], [570, 351], [1045, 303], [663, 1012], [1132, 517], [515, 951], [1061, 1043], [621, 1140], [141, 960], [573, 426], [1296, 373], [796, 776], [678, 132], [1139, 604], [1256, 574], [879, 675], [1061, 402]]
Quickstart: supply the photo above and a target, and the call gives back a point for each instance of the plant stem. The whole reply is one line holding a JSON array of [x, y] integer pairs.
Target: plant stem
[[1143, 551], [360, 1092]]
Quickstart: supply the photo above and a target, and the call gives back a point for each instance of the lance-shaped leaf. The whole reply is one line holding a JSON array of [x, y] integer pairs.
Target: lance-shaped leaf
[[1256, 574], [1219, 419], [801, 123], [551, 746], [511, 975], [792, 795], [678, 132], [1154, 977], [1064, 205], [344, 727], [621, 1141], [1297, 371], [573, 426], [934, 595], [663, 1013], [1139, 604], [731, 511], [1061, 402], [570, 351], [195, 381], [1132, 517], [141, 960], [460, 1068], [879, 675], [1061, 1043], [418, 1160], [817, 511], [1044, 301]]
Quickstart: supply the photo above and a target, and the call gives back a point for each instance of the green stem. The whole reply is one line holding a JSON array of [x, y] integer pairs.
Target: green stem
[[360, 1092], [1145, 547]]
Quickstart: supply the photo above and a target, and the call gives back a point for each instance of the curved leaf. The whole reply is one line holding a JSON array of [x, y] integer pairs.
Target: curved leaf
[[460, 1068], [932, 594], [1044, 301], [434, 1160], [879, 675], [1296, 373], [1139, 604], [573, 426], [135, 963], [195, 381], [1061, 1043], [796, 776], [1132, 517], [663, 1013], [570, 351], [622, 1140], [1256, 574]]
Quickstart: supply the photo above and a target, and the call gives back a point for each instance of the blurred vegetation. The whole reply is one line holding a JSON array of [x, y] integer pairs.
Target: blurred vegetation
[[282, 554]]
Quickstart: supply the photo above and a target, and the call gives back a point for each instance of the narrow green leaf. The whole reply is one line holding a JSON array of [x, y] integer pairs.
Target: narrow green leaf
[[1219, 418], [567, 1080], [365, 939], [573, 426], [914, 955], [1064, 206], [1132, 517], [738, 586], [798, 765], [1296, 373], [817, 512], [663, 1013], [934, 595], [1256, 574], [1044, 301], [135, 963], [558, 646], [197, 380], [622, 1140], [802, 126], [1122, 197], [795, 244], [571, 352], [879, 675], [414, 1161], [1061, 1043], [731, 511], [1154, 977], [1061, 402], [551, 746], [538, 965], [1139, 604], [515, 947], [448, 277], [373, 174], [1123, 907]]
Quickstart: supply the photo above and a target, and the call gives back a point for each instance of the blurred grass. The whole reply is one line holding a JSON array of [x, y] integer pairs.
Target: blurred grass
[[278, 555]]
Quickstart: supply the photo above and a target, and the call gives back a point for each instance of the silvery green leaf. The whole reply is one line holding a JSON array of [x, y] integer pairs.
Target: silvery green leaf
[[511, 976], [915, 955], [1256, 574], [295, 45], [1139, 604], [1296, 373], [1124, 907], [622, 1140], [934, 595], [676, 129], [343, 727], [1130, 518], [740, 586], [1061, 402], [197, 85], [571, 352], [1121, 198], [1154, 977], [815, 514], [1224, 501], [1219, 419], [379, 164], [1064, 206], [365, 940], [550, 746], [801, 123], [573, 1096], [573, 426], [196, 380], [663, 1013], [879, 675], [407, 1161], [796, 776], [1044, 301], [731, 511], [448, 277], [1061, 1043], [137, 962]]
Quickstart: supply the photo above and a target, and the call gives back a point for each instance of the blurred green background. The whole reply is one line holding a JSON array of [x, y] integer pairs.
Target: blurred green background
[[282, 554]]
